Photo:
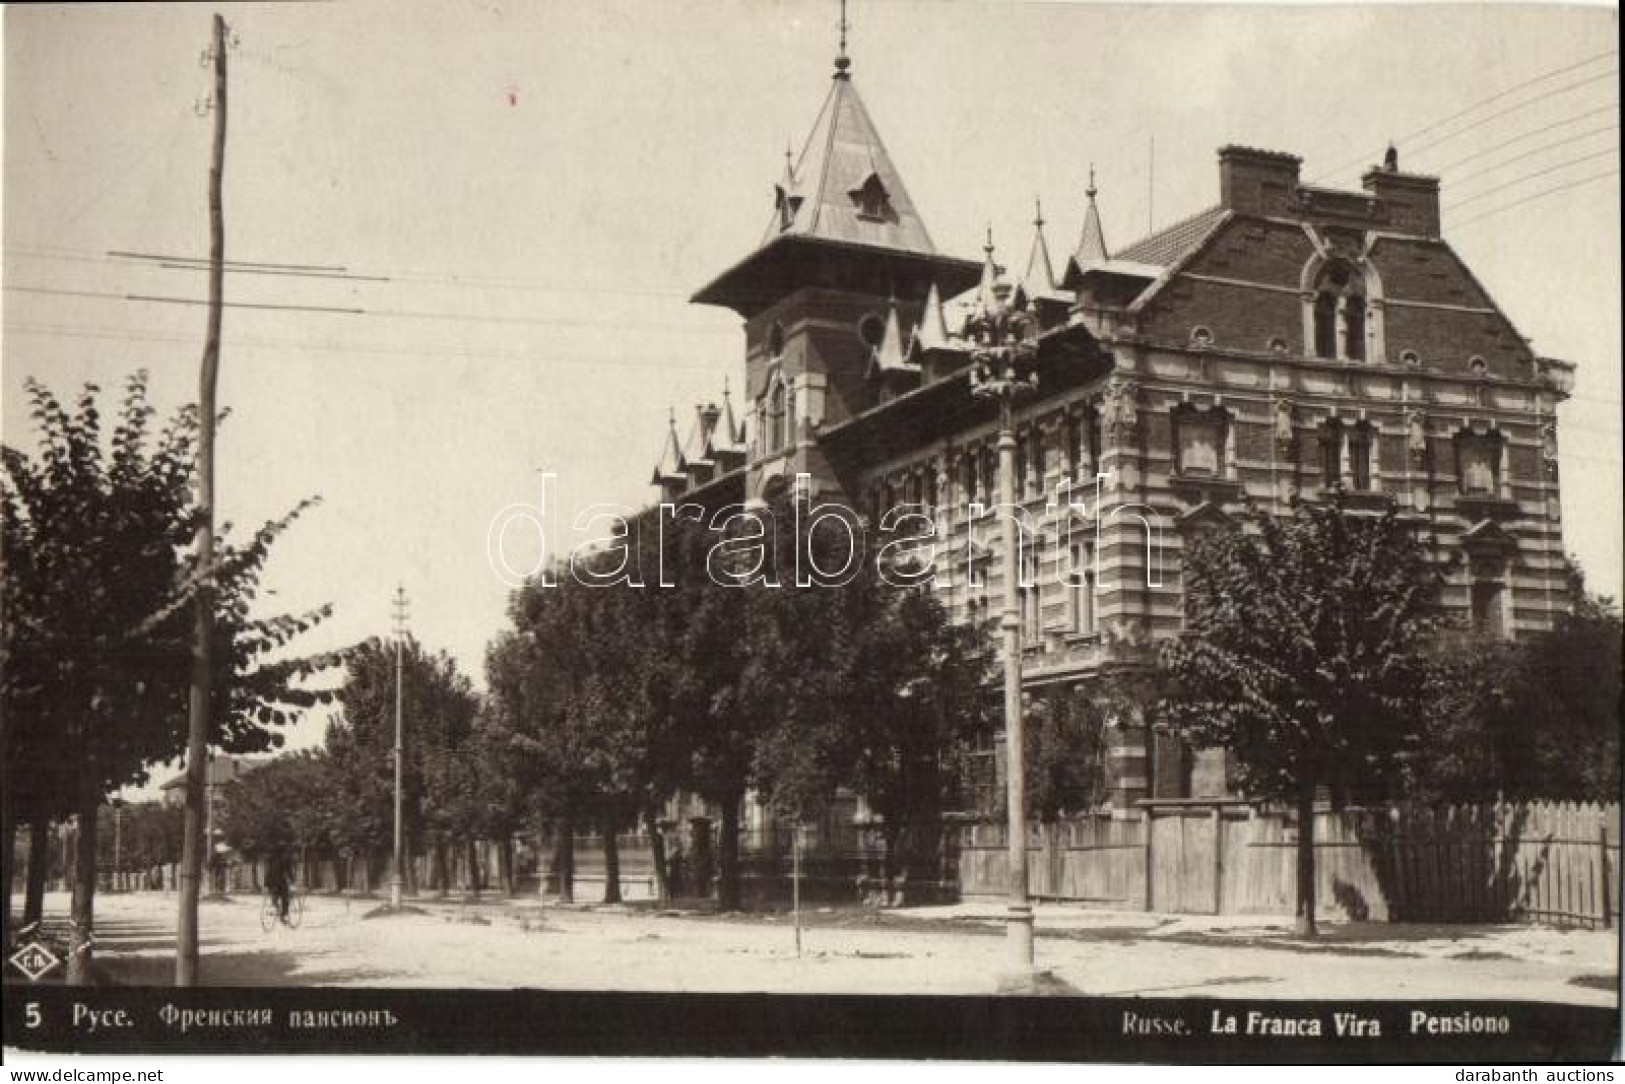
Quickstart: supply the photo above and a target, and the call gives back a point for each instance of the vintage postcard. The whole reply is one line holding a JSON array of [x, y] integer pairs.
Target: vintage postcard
[[826, 528]]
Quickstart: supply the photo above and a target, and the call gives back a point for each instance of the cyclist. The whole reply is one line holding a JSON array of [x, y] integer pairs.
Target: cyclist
[[279, 882]]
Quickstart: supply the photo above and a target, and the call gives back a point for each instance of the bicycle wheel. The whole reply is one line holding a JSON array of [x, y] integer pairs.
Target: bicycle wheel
[[267, 914], [296, 910]]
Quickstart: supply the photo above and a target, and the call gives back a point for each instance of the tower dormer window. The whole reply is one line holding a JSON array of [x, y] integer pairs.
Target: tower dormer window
[[871, 200]]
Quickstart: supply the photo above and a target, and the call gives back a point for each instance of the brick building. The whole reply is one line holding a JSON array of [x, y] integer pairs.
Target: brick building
[[1285, 340]]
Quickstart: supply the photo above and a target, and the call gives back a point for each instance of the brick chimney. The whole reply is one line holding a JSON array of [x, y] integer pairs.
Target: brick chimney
[[1412, 199], [1257, 182]]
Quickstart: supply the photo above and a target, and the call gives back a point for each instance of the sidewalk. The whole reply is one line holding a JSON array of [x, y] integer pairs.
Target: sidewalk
[[948, 950]]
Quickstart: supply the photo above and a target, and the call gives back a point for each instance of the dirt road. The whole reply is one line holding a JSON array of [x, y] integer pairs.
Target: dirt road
[[958, 950]]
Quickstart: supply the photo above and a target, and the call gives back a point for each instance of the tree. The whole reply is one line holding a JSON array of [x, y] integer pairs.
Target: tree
[[1065, 750], [619, 695], [438, 708], [1531, 719], [1305, 655], [284, 806], [97, 647]]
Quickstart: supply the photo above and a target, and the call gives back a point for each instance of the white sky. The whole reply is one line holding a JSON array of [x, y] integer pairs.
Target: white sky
[[559, 177]]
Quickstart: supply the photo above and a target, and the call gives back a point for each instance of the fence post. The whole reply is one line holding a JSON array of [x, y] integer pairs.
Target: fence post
[[1145, 820], [1218, 860], [1602, 847]]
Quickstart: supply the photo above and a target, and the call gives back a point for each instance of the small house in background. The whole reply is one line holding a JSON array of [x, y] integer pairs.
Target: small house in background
[[221, 772]]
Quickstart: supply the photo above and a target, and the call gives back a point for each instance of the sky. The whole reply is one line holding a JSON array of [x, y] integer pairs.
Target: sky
[[540, 187]]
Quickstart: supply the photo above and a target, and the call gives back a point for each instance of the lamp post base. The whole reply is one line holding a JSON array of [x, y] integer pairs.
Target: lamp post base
[[1018, 933], [1020, 975], [395, 893]]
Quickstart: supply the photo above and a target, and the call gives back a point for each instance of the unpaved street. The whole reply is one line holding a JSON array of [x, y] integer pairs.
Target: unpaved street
[[942, 950]]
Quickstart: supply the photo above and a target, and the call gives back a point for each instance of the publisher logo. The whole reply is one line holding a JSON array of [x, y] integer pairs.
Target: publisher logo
[[34, 960]]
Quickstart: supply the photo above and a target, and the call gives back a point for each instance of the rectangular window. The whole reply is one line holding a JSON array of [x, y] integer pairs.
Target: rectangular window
[[1331, 454], [1031, 601], [1198, 446], [1082, 588], [1360, 445], [1480, 466]]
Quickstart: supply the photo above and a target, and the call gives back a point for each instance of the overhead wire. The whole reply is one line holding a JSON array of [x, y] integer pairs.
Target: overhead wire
[[1498, 95], [1529, 177], [1534, 196]]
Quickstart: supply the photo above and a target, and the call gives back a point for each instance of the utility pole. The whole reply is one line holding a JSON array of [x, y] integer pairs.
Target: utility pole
[[118, 842], [200, 701], [1004, 369], [397, 878]]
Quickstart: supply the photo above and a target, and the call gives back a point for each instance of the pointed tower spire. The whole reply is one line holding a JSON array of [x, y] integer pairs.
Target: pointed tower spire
[[1092, 244], [888, 356], [842, 62], [1039, 280], [840, 188], [729, 434], [671, 466], [932, 331], [987, 291]]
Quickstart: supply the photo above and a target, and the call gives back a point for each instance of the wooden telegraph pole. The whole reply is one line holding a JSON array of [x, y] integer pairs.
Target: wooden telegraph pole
[[198, 718]]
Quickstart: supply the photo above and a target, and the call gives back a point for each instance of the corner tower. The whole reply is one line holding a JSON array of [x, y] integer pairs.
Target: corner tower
[[843, 244]]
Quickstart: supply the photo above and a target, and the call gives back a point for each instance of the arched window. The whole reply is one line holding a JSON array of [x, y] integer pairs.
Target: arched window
[[1354, 327], [1340, 312], [789, 416], [775, 411], [1325, 326]]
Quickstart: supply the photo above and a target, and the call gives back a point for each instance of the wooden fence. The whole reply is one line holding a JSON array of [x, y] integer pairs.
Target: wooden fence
[[1544, 862]]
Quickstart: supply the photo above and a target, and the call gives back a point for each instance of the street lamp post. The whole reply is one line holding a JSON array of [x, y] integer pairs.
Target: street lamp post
[[1004, 369], [397, 878]]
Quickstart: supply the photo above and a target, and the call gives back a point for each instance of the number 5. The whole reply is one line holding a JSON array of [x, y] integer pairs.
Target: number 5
[[31, 1015]]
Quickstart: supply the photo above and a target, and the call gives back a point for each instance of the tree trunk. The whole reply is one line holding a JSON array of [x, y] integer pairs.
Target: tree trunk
[[82, 916], [891, 839], [441, 877], [505, 864], [473, 866], [657, 852], [1304, 925], [8, 860], [564, 860], [728, 893], [612, 864], [39, 868]]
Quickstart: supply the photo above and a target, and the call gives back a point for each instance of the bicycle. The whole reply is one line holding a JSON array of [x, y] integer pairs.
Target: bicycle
[[269, 915]]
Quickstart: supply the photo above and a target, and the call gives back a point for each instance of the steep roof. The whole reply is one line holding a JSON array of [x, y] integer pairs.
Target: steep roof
[[1092, 242], [931, 333], [219, 770], [843, 186], [671, 464], [729, 434], [889, 357], [1173, 243]]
